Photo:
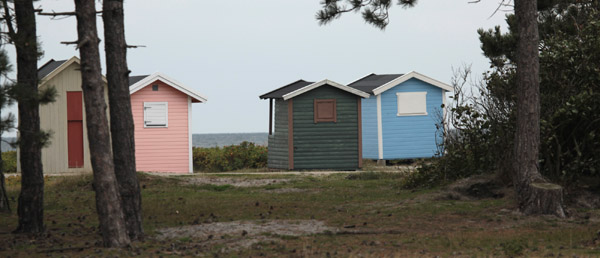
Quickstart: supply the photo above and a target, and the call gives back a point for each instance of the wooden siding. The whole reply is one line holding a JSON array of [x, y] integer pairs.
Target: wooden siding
[[409, 136], [326, 145], [278, 142], [369, 128], [163, 149], [53, 117]]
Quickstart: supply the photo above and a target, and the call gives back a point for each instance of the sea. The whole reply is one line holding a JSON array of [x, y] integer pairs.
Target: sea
[[198, 140]]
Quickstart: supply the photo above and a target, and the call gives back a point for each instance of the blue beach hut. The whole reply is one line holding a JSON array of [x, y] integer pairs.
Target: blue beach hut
[[399, 122]]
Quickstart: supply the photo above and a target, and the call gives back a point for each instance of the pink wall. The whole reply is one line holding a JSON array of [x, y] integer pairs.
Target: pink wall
[[162, 149]]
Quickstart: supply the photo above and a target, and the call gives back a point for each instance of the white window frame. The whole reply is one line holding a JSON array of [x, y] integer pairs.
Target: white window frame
[[412, 95], [166, 115]]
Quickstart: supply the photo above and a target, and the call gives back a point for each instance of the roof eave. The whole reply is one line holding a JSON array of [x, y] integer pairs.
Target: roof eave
[[409, 76], [321, 83], [169, 81]]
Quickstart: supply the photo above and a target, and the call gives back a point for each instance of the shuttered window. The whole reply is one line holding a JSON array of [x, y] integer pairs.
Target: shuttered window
[[156, 114], [412, 103], [325, 110]]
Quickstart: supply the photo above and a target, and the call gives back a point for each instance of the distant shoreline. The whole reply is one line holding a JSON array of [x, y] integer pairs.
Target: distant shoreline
[[204, 140]]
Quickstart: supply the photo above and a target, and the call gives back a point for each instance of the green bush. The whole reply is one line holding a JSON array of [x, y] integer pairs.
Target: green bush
[[247, 155], [9, 164]]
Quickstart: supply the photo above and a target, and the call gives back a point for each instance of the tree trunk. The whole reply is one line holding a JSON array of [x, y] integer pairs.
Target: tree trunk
[[31, 199], [533, 197], [4, 204], [108, 201], [121, 119]]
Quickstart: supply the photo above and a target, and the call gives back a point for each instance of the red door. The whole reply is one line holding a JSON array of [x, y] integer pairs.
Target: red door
[[75, 128]]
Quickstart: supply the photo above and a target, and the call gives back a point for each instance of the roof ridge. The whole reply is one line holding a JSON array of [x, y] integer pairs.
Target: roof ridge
[[300, 80]]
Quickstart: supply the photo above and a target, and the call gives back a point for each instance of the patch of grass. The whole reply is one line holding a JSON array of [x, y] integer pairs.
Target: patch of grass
[[216, 188], [397, 222]]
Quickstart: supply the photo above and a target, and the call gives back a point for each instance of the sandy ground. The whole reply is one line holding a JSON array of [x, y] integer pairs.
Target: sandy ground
[[243, 234], [238, 182]]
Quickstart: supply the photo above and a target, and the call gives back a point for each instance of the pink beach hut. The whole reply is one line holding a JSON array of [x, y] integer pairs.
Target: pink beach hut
[[162, 114]]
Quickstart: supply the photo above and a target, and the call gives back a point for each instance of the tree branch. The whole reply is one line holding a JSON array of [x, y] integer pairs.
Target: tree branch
[[54, 14], [8, 18], [135, 46]]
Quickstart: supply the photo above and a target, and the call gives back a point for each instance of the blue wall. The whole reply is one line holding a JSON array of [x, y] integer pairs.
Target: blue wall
[[369, 127], [404, 137]]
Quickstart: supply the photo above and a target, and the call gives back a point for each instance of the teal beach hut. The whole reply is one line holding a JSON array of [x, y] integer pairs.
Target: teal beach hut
[[317, 125]]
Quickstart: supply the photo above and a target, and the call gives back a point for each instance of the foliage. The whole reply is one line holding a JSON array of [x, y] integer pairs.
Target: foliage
[[375, 12], [244, 156], [9, 161], [477, 134], [482, 121]]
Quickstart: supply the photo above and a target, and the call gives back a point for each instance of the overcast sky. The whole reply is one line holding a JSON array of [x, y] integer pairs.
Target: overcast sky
[[233, 51]]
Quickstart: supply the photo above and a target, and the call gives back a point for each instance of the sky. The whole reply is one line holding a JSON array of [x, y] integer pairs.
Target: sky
[[233, 51]]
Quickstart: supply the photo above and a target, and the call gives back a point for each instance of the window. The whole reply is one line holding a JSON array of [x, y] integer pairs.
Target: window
[[412, 103], [156, 114], [325, 110]]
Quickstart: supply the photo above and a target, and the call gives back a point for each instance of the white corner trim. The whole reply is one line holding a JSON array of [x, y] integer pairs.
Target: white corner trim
[[169, 81], [321, 83], [190, 147], [409, 76], [379, 129]]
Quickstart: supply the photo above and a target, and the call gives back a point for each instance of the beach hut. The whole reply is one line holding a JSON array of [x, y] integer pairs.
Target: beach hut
[[317, 126], [399, 122], [161, 110]]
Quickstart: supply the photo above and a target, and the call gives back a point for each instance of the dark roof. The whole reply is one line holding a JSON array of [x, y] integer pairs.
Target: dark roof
[[372, 81], [278, 93], [48, 67], [136, 78]]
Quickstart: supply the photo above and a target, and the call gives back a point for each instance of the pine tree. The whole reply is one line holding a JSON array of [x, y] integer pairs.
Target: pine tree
[[31, 138], [535, 194], [121, 118], [108, 200], [6, 124]]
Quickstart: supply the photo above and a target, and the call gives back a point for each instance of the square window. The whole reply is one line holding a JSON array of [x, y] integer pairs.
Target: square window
[[156, 114], [155, 87], [412, 103], [325, 110]]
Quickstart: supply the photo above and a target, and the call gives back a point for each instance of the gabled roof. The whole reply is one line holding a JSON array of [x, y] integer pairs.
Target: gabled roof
[[372, 81], [136, 78], [145, 81], [377, 84], [279, 92], [52, 68], [48, 67], [299, 87]]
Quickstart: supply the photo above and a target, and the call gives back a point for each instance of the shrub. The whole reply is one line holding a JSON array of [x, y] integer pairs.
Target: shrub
[[247, 155], [9, 161]]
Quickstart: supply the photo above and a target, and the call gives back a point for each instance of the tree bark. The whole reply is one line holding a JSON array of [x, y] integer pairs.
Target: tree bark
[[108, 201], [31, 199], [526, 178], [4, 204], [121, 119]]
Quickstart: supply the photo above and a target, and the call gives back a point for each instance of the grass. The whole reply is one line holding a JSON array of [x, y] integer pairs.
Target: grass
[[396, 222]]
